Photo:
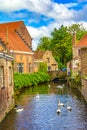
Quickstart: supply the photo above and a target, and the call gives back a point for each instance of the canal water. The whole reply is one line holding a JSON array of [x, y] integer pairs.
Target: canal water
[[40, 111]]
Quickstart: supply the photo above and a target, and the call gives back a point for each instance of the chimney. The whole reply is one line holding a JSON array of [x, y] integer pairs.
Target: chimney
[[74, 38], [7, 45]]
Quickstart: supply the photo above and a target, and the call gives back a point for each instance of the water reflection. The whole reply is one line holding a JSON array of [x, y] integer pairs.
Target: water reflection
[[40, 113]]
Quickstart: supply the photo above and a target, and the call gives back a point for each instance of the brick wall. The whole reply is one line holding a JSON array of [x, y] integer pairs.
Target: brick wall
[[84, 88], [26, 59], [49, 59], [24, 32], [83, 55], [6, 92]]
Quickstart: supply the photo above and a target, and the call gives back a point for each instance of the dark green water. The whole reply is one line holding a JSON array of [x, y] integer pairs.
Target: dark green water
[[40, 114]]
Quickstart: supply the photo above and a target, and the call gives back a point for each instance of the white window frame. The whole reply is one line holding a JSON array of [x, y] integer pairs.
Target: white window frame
[[20, 67]]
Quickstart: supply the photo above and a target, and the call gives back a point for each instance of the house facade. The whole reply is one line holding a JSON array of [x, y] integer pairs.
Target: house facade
[[15, 38], [74, 65], [78, 63], [6, 84], [46, 57]]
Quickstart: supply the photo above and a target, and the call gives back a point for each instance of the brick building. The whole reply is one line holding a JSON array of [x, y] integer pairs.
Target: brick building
[[79, 61], [6, 84], [47, 57], [15, 37]]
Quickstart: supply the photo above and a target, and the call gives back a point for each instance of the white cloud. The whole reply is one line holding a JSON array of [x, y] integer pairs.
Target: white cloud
[[61, 13], [45, 7], [37, 33], [38, 6]]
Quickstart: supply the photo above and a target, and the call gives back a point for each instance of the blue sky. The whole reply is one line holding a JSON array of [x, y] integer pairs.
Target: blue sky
[[42, 16]]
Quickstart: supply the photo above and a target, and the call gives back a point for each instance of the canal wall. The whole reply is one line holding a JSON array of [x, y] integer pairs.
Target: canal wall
[[6, 85], [84, 88], [81, 87]]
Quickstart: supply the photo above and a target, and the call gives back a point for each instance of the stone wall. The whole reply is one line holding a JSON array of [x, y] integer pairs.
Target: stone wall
[[84, 88], [6, 85], [83, 54], [49, 59]]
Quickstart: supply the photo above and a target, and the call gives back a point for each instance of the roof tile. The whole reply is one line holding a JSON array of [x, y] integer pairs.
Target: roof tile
[[82, 42], [14, 40]]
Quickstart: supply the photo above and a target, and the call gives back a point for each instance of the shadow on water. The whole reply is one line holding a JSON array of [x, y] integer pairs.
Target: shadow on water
[[40, 112]]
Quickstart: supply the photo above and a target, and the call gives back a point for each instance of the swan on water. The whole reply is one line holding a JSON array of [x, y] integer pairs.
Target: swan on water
[[68, 107], [59, 86], [60, 103], [37, 96], [58, 111], [18, 109]]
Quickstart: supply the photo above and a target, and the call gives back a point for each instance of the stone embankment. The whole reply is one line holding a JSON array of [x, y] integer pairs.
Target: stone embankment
[[84, 88], [81, 87]]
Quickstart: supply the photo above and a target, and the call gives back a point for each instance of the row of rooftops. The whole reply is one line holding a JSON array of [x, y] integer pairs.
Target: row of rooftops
[[9, 34]]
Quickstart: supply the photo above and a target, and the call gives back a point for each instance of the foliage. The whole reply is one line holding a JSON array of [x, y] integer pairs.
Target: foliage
[[60, 42], [78, 79], [44, 44], [25, 80], [42, 67], [79, 29]]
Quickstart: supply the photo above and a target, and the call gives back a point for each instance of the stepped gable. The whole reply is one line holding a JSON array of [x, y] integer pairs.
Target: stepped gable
[[82, 42], [9, 34]]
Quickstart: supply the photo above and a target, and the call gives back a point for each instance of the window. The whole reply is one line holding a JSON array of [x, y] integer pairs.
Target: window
[[1, 76], [30, 67], [79, 51], [20, 67], [49, 68], [10, 75], [48, 60]]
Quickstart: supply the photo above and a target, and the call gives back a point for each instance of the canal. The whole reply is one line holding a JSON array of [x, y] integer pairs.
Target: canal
[[39, 113]]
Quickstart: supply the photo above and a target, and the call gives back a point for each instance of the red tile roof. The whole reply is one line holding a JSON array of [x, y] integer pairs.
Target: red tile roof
[[14, 40], [38, 54], [82, 42]]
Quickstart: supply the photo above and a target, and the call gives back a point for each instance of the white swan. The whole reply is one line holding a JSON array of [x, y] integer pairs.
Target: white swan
[[59, 86], [58, 111], [37, 96], [60, 103], [68, 107], [19, 109]]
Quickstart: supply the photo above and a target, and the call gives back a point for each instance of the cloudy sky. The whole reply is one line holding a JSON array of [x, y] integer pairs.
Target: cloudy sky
[[42, 16]]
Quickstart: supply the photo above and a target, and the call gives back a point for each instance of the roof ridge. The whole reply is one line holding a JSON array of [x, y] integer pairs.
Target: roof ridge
[[12, 22]]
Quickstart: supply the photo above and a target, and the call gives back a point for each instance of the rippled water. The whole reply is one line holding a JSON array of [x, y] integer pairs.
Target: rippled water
[[40, 113]]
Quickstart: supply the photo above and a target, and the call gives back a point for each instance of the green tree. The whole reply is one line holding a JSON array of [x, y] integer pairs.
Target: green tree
[[60, 42], [44, 44], [79, 29], [42, 67]]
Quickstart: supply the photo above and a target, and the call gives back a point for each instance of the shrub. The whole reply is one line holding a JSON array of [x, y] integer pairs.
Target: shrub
[[25, 80]]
